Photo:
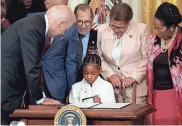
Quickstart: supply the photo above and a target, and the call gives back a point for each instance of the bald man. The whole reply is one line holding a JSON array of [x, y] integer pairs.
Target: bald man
[[22, 45], [59, 64]]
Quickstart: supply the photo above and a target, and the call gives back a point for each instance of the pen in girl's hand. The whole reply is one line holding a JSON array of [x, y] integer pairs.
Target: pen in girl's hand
[[87, 98]]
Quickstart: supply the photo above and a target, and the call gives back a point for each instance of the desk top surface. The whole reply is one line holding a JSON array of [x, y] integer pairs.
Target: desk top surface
[[132, 111]]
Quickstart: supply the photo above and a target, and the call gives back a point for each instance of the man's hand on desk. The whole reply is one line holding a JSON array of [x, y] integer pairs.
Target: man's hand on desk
[[49, 101]]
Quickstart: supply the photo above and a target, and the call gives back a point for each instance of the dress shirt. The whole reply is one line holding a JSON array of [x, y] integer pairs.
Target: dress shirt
[[116, 51], [47, 26], [85, 41]]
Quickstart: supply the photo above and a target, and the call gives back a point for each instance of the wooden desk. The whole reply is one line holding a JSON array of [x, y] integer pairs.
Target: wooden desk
[[133, 114]]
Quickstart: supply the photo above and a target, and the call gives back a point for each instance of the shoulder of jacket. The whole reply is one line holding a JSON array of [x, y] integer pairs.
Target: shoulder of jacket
[[76, 85], [103, 27], [138, 25]]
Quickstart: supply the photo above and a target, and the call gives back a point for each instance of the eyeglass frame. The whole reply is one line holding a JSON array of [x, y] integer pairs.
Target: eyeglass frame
[[83, 22], [118, 28], [163, 29]]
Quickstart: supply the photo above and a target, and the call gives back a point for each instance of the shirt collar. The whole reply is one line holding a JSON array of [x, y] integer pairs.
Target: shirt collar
[[85, 83], [87, 35], [47, 24]]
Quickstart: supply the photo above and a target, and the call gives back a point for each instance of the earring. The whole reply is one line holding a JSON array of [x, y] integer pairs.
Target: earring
[[172, 29]]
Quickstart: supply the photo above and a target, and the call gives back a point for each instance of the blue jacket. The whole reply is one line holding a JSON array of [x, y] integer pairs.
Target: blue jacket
[[60, 65]]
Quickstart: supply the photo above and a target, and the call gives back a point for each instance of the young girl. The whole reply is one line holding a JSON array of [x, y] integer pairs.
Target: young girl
[[92, 89]]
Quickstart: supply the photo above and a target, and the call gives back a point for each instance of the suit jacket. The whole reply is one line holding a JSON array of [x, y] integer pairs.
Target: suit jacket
[[133, 57], [22, 45], [60, 65], [93, 37]]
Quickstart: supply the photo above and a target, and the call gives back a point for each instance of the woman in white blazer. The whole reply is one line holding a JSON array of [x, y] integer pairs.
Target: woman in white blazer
[[123, 48]]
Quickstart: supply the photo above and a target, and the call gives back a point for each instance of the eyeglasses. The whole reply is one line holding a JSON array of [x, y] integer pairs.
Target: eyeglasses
[[117, 28], [157, 30], [80, 23]]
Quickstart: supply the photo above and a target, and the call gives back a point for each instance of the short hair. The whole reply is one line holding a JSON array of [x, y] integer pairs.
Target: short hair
[[116, 1], [3, 9], [121, 12], [92, 59], [169, 14], [83, 7]]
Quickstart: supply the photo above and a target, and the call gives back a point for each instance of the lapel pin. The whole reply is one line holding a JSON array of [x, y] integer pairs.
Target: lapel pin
[[61, 38]]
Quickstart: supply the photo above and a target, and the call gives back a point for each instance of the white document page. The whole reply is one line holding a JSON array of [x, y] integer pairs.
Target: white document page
[[110, 106], [85, 105]]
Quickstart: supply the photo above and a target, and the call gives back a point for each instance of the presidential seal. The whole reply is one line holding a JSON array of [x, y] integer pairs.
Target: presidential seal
[[70, 115]]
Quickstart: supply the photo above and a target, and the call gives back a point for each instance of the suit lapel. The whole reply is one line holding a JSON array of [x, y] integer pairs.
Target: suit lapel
[[109, 39], [92, 37], [54, 42]]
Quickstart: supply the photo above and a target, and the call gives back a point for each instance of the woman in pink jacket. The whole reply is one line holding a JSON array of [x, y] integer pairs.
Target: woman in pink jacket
[[165, 66]]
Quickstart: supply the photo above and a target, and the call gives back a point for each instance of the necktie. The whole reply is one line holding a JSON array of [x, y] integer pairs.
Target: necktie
[[47, 44], [80, 49], [79, 57]]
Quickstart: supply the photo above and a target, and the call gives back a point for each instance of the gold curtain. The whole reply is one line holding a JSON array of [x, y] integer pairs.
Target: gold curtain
[[150, 6]]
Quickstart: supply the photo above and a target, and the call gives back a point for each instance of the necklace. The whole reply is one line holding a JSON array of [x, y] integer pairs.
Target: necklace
[[164, 47]]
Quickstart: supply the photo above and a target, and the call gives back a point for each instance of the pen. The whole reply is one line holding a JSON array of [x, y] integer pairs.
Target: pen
[[87, 98]]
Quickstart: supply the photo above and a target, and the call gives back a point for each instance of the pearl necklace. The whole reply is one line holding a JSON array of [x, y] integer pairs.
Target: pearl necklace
[[165, 47]]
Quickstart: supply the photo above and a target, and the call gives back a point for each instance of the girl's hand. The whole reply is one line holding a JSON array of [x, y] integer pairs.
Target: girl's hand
[[97, 99]]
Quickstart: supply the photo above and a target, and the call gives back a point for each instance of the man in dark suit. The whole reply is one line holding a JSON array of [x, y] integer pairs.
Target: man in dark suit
[[59, 63], [86, 35], [22, 46]]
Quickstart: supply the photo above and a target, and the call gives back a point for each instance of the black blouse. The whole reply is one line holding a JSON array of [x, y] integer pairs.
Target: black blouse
[[162, 76]]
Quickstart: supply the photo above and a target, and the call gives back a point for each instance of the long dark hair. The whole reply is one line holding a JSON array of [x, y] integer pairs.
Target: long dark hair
[[169, 14]]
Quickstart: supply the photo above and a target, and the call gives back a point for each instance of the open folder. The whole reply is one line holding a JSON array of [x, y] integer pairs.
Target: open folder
[[101, 106]]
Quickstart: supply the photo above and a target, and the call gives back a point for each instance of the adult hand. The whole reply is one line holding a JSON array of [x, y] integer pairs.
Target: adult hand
[[49, 101], [97, 99], [128, 81], [115, 80]]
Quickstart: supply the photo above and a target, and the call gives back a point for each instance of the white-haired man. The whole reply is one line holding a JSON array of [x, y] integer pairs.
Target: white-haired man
[[22, 45]]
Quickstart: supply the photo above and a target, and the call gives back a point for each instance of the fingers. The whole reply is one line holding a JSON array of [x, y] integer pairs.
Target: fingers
[[48, 101], [97, 99], [124, 84], [117, 83], [56, 102], [127, 82], [115, 80]]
